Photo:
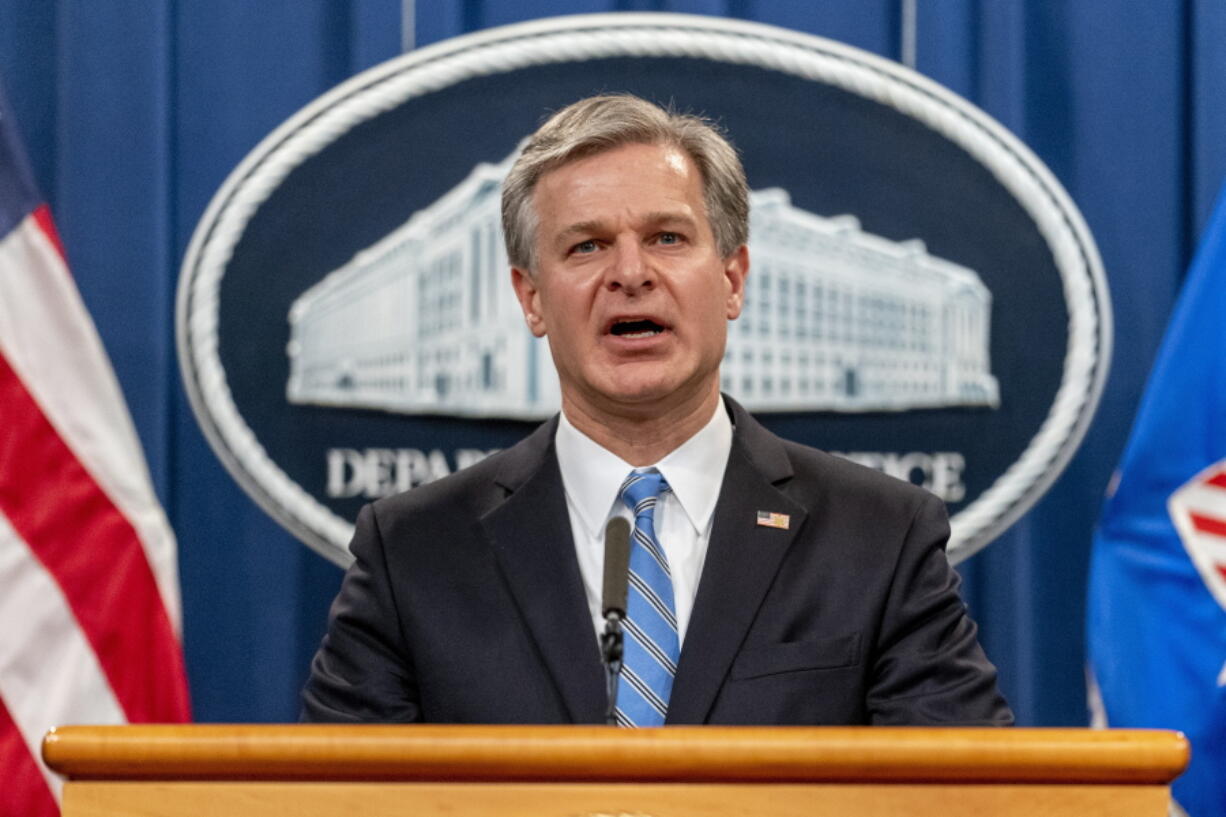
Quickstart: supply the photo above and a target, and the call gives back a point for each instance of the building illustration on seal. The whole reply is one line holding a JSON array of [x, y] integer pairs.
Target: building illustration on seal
[[836, 319]]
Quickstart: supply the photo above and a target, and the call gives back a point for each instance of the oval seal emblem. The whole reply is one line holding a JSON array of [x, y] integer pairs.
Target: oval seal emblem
[[923, 298]]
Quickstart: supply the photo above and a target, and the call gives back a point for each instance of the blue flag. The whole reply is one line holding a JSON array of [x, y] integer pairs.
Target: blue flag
[[1157, 596]]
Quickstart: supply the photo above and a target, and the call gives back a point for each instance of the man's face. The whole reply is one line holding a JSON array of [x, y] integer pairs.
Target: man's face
[[629, 284]]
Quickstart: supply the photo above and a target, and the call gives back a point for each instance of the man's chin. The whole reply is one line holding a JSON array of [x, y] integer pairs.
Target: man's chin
[[651, 395]]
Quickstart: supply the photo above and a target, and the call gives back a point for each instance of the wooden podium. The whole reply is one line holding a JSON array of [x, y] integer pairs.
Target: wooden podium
[[548, 771]]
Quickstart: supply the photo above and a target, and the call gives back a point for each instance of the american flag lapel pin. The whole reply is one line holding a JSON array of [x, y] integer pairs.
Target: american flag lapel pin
[[770, 519]]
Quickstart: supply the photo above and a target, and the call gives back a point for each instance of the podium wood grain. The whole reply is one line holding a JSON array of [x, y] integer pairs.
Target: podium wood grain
[[457, 771]]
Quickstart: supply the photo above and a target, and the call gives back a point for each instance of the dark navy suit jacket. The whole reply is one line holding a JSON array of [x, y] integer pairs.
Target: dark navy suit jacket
[[465, 603]]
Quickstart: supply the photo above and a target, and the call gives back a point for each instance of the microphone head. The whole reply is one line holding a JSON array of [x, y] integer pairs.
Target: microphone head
[[616, 566]]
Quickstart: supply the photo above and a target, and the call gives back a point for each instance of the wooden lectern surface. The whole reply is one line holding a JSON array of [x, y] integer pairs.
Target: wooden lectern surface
[[308, 770]]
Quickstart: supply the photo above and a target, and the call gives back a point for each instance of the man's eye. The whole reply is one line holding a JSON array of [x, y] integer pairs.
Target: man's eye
[[669, 238], [584, 247]]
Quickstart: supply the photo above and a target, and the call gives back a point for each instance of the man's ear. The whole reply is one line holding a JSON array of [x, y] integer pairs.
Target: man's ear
[[736, 271], [529, 300]]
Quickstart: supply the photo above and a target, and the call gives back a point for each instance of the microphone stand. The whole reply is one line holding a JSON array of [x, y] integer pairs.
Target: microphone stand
[[611, 648], [616, 578]]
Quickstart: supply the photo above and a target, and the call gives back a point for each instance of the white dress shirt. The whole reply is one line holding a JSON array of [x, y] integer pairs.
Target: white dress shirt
[[592, 475]]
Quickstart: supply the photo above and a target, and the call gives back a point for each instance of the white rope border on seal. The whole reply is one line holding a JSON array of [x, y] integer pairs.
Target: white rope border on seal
[[641, 35]]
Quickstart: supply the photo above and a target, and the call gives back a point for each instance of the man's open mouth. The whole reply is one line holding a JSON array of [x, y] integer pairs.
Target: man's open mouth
[[636, 329]]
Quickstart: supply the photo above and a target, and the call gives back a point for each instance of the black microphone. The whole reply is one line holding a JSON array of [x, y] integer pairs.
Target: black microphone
[[616, 566], [613, 604]]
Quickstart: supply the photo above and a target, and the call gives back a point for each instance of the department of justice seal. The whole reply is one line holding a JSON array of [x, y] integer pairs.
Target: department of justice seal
[[924, 297]]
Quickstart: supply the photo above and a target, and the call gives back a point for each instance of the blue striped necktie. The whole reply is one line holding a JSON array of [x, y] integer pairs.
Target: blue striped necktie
[[651, 642]]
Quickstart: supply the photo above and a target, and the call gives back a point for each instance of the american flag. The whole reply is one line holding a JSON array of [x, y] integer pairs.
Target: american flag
[[89, 600], [771, 519]]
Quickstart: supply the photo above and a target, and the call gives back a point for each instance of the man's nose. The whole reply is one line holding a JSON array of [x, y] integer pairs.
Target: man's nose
[[630, 268]]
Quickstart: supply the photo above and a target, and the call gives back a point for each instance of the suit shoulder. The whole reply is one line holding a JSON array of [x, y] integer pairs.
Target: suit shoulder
[[468, 486], [813, 476], [476, 488], [842, 479]]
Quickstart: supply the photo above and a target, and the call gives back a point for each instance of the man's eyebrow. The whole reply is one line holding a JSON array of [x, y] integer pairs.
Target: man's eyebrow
[[654, 218], [580, 227], [669, 217]]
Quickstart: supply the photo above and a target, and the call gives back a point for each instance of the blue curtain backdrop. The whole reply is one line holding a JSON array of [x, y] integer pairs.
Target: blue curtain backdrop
[[134, 112]]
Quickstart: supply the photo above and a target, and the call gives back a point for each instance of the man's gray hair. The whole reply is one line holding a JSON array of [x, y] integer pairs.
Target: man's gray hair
[[600, 123]]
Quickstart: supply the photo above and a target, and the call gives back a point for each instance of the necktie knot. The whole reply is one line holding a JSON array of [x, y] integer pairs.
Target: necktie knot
[[641, 490]]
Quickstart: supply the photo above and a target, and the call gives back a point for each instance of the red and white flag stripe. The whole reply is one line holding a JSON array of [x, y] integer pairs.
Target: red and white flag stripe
[[89, 601], [1198, 510]]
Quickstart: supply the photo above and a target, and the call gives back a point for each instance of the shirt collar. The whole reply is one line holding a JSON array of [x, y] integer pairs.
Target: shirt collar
[[592, 475]]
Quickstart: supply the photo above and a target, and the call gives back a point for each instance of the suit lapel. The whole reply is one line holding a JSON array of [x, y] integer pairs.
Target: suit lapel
[[742, 559], [532, 538]]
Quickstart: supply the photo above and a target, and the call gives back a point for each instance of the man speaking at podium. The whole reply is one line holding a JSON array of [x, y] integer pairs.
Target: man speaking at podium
[[769, 583]]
